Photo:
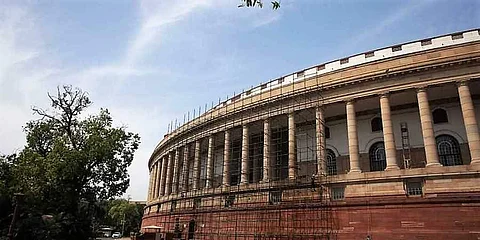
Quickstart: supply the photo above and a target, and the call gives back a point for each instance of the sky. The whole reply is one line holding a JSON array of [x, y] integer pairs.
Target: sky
[[150, 62]]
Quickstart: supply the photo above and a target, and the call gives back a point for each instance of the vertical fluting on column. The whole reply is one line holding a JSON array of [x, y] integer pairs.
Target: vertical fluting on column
[[209, 183], [292, 154], [320, 138], [352, 134], [196, 166], [470, 121], [170, 166], [226, 159], [164, 174], [244, 171], [427, 128], [185, 168], [157, 178], [388, 135], [154, 187], [266, 150], [150, 185], [176, 171]]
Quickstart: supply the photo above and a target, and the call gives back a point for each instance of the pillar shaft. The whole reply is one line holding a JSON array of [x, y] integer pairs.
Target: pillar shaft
[[157, 178], [185, 169], [266, 150], [470, 121], [163, 178], [154, 187], [176, 171], [427, 128], [388, 136], [244, 171], [352, 137], [170, 167], [320, 138], [196, 166], [209, 182], [292, 154], [150, 187], [226, 159]]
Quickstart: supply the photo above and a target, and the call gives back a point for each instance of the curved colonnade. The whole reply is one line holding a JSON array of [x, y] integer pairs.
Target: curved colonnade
[[355, 129]]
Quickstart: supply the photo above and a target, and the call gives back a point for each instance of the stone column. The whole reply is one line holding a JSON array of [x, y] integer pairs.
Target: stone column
[[427, 128], [154, 187], [150, 187], [226, 159], [320, 138], [176, 171], [185, 168], [157, 178], [170, 166], [209, 182], [164, 174], [244, 172], [292, 154], [388, 136], [266, 150], [196, 166], [470, 121], [352, 137]]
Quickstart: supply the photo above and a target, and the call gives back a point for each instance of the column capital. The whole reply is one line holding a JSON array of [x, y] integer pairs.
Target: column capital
[[384, 94], [462, 82], [349, 101], [422, 88]]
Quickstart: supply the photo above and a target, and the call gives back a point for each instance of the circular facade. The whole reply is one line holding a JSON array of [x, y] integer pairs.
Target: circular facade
[[382, 144]]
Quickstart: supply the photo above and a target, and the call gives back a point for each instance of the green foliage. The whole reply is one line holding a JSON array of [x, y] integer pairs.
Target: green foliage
[[69, 165], [122, 213], [258, 3]]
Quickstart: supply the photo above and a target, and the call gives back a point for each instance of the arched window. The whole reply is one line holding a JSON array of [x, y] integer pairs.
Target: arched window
[[376, 124], [448, 150], [439, 116], [331, 162], [378, 161]]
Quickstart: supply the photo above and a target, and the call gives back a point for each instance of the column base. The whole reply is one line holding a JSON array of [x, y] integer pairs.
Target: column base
[[355, 170], [393, 167], [433, 165], [475, 161]]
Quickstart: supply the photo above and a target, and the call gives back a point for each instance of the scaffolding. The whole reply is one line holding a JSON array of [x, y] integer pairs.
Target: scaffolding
[[281, 208]]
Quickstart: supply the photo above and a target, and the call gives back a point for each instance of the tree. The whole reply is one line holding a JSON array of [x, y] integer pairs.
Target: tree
[[69, 166], [258, 3], [124, 215]]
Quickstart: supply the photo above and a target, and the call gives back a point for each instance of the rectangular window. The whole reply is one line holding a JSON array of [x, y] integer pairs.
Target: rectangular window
[[414, 188], [173, 206], [159, 206], [280, 80], [397, 48], [457, 36], [426, 42], [320, 67], [275, 197], [197, 203], [338, 193], [369, 54], [263, 86], [300, 74], [229, 201], [343, 61]]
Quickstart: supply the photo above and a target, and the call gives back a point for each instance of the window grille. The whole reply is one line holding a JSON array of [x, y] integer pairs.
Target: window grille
[[275, 197], [448, 150], [378, 160], [331, 163], [414, 188], [338, 193]]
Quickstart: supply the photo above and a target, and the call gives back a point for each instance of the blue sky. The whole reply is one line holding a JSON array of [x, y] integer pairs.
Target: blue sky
[[150, 62]]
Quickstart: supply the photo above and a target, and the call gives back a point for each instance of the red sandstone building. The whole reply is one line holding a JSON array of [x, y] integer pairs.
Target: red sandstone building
[[383, 144]]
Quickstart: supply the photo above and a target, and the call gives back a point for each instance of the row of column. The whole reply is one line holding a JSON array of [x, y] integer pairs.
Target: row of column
[[165, 174]]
